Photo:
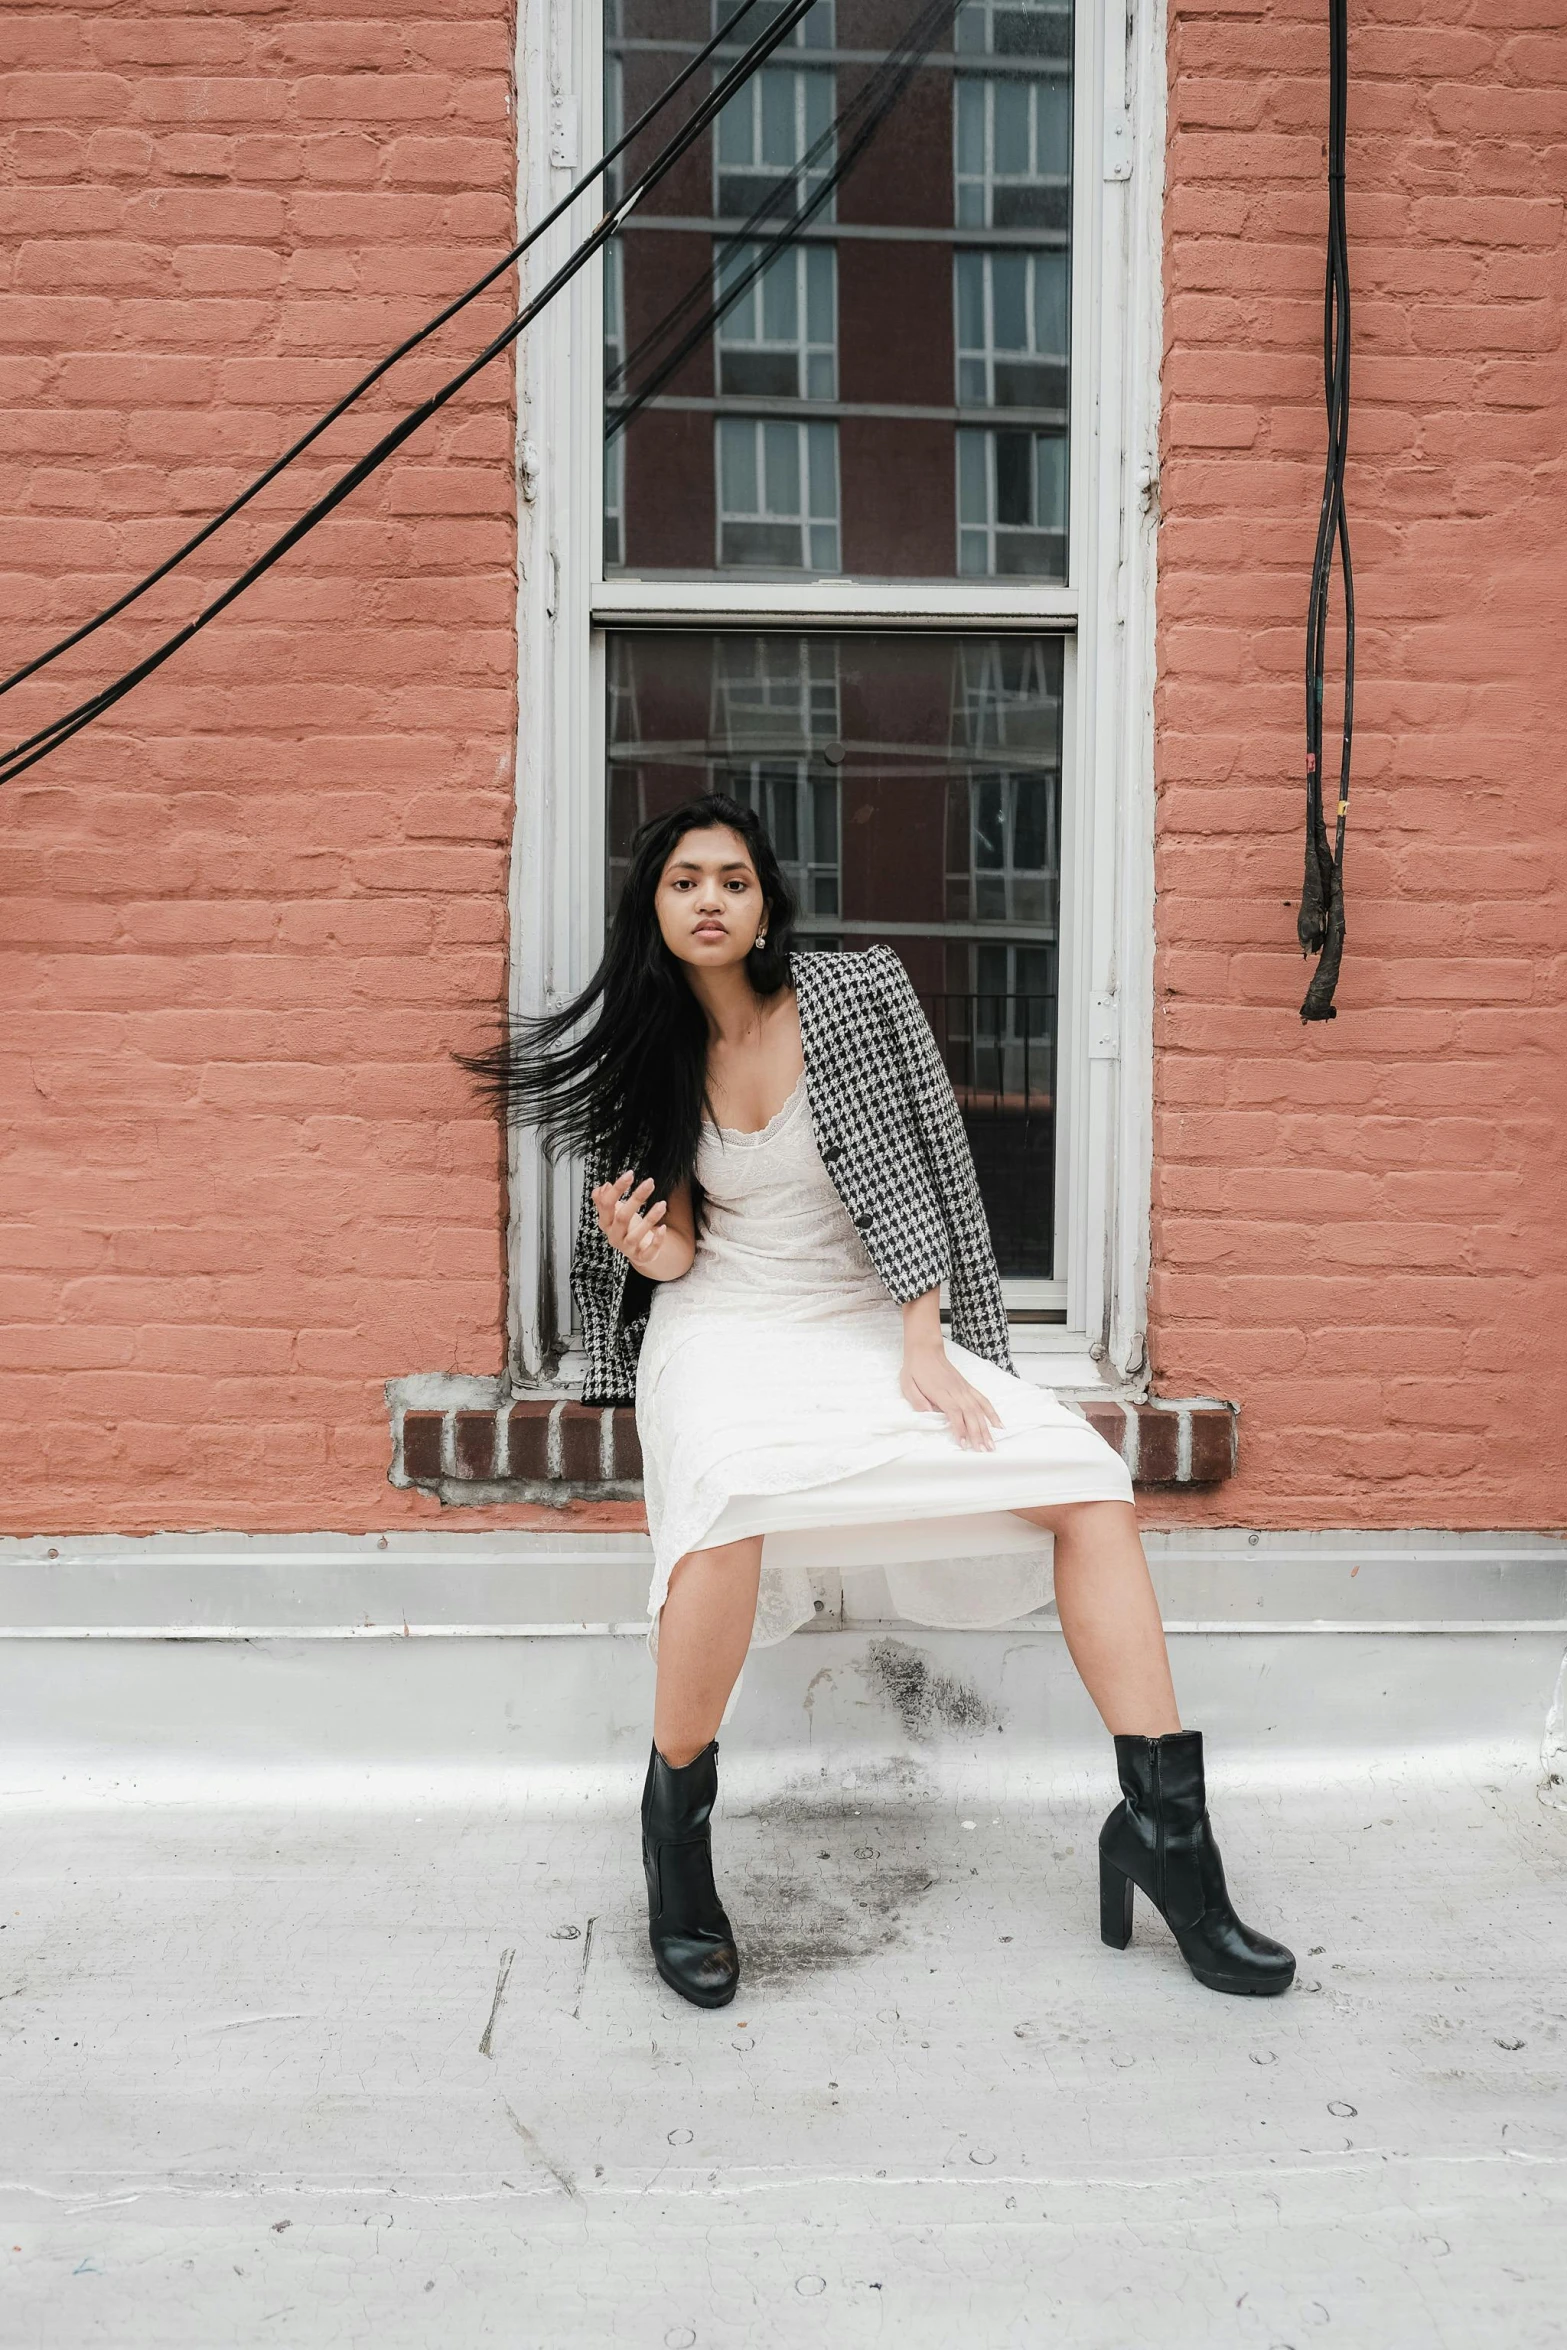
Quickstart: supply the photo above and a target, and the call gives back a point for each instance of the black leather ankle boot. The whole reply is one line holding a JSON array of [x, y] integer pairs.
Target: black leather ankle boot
[[1160, 1840], [693, 1944]]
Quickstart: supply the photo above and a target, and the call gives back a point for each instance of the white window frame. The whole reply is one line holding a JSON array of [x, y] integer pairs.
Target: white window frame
[[1105, 610]]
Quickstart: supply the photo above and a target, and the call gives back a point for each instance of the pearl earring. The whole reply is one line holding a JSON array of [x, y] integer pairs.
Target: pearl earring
[[761, 941]]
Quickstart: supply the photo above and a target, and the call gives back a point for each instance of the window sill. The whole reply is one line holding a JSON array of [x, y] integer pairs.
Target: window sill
[[550, 1448]]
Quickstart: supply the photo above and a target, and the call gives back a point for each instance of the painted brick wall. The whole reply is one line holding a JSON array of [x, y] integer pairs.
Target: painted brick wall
[[1359, 1228], [244, 921], [242, 925]]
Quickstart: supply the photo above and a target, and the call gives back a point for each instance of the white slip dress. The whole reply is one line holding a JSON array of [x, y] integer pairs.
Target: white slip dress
[[768, 1402]]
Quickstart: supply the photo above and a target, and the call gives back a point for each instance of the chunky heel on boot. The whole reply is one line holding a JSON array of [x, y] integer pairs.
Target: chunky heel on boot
[[1161, 1840], [1115, 1905], [693, 1944]]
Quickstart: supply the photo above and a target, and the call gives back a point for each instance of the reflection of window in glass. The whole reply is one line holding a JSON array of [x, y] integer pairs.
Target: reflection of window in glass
[[773, 694], [1009, 697], [774, 146], [615, 446], [769, 690], [621, 690], [1012, 505], [1012, 329], [1014, 28], [1014, 151], [801, 812], [615, 500], [1015, 1021], [778, 340], [777, 494], [1016, 855]]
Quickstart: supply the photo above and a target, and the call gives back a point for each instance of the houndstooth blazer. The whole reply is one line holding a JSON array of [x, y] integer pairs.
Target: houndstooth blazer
[[887, 1125]]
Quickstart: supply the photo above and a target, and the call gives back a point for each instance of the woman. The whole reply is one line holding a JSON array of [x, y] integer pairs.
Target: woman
[[778, 1184]]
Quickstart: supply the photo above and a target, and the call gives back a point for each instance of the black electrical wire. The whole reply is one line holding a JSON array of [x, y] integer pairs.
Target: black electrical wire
[[1320, 922], [384, 366], [723, 36], [859, 119], [50, 738]]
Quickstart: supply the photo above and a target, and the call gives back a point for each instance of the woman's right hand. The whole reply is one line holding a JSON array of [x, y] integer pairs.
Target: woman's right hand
[[628, 1223]]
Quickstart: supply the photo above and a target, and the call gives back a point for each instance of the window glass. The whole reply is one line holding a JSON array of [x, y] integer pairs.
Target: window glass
[[912, 788], [878, 224]]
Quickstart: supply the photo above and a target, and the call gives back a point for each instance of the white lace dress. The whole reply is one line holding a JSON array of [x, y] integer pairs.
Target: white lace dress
[[768, 1403]]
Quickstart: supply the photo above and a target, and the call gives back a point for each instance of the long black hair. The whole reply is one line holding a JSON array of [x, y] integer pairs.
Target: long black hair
[[631, 1088]]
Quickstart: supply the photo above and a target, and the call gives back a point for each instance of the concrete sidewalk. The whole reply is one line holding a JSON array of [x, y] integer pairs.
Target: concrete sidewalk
[[352, 2075]]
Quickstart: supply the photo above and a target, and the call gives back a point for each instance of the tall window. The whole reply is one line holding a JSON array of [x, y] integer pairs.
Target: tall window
[[837, 351], [847, 549]]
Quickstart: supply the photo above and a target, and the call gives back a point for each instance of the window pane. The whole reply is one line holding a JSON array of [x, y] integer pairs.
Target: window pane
[[912, 786], [916, 280], [737, 467], [781, 456]]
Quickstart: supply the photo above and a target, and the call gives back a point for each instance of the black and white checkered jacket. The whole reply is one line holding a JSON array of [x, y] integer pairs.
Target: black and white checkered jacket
[[891, 1137]]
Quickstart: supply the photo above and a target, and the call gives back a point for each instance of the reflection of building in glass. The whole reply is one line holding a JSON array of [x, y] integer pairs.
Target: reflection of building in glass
[[891, 246], [912, 788]]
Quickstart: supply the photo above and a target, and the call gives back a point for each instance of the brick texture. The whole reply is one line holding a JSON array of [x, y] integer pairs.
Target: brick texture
[[1358, 1228], [244, 922]]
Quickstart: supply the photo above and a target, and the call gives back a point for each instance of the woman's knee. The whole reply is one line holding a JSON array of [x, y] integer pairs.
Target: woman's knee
[[1084, 1520]]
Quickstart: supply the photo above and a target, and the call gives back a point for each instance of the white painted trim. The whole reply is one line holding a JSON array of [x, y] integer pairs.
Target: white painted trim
[[556, 894], [1107, 609], [1141, 203], [516, 1585], [848, 603]]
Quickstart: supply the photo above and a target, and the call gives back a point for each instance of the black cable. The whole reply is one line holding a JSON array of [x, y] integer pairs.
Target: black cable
[[383, 366], [1320, 922], [38, 746], [873, 102]]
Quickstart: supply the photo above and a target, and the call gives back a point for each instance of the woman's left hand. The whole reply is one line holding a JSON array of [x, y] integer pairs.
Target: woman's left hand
[[932, 1382]]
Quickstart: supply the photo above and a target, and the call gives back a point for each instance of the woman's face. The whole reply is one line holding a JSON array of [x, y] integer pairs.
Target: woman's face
[[709, 902]]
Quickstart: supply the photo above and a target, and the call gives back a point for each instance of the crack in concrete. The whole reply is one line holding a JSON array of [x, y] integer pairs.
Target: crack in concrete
[[495, 2004]]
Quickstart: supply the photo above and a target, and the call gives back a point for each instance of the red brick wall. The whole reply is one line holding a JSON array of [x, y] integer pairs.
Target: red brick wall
[[244, 920], [1358, 1228]]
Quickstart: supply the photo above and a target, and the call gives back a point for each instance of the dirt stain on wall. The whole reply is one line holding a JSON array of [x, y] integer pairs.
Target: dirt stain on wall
[[925, 1700]]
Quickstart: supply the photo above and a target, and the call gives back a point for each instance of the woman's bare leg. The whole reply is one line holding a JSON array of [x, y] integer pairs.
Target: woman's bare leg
[[703, 1633], [1105, 1599]]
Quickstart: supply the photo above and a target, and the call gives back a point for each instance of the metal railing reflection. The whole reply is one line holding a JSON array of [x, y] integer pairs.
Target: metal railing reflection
[[1000, 1049]]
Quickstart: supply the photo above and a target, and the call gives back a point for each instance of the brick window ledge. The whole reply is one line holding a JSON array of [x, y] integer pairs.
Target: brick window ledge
[[549, 1449]]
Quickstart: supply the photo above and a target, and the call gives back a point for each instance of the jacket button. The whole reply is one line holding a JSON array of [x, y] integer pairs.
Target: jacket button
[[832, 1150], [864, 1222]]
